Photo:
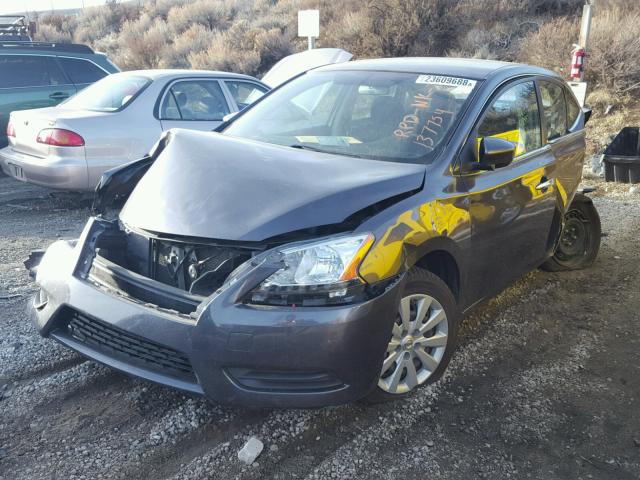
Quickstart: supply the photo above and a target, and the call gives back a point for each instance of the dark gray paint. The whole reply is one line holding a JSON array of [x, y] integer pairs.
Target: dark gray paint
[[213, 186], [489, 251]]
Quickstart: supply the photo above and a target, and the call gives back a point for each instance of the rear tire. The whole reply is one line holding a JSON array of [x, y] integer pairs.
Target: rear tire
[[424, 334], [579, 240]]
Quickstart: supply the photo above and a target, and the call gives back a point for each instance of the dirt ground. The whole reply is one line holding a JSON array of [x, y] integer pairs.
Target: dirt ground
[[545, 384]]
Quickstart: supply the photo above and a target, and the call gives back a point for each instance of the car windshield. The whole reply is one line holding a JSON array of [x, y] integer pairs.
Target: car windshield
[[112, 93], [378, 115]]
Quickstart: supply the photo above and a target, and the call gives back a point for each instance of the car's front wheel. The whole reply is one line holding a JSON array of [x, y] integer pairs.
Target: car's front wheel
[[422, 338]]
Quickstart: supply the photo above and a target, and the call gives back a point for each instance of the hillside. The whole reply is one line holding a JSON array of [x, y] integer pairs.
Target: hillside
[[250, 36]]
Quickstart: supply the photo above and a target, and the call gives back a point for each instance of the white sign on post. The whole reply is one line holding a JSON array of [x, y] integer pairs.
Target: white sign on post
[[309, 25]]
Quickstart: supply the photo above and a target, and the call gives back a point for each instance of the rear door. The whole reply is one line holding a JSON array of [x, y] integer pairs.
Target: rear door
[[565, 135], [197, 104], [511, 208], [30, 81], [81, 72]]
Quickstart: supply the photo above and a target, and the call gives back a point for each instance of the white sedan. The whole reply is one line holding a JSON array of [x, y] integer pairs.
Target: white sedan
[[117, 120]]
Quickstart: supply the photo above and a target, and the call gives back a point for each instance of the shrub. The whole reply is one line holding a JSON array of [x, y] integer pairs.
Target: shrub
[[196, 39], [95, 23], [212, 15], [49, 33], [612, 56], [142, 43], [551, 45], [231, 50]]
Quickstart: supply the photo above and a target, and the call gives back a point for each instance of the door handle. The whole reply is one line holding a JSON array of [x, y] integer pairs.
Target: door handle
[[58, 96], [545, 183]]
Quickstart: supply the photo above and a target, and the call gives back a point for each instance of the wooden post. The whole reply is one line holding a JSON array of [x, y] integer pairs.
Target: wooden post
[[585, 28]]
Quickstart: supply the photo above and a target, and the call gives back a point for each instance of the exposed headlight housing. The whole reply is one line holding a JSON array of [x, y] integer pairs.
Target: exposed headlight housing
[[323, 272]]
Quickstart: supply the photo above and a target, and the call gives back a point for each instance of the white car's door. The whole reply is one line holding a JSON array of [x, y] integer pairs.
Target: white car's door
[[193, 103]]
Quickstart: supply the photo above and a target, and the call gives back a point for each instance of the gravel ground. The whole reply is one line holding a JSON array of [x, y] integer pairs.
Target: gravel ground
[[545, 384]]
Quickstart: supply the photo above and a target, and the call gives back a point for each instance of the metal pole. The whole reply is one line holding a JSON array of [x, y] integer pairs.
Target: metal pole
[[312, 42]]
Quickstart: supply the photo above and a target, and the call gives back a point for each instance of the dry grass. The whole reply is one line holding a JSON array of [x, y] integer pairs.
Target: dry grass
[[250, 36]]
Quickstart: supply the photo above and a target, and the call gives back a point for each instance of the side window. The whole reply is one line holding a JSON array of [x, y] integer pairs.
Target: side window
[[81, 71], [56, 75], [514, 116], [194, 100], [573, 109], [554, 109], [244, 93], [28, 71]]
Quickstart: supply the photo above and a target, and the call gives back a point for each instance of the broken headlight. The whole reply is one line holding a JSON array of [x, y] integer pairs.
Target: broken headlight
[[324, 272]]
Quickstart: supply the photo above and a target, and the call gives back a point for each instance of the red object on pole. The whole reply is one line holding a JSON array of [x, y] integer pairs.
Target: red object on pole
[[577, 63]]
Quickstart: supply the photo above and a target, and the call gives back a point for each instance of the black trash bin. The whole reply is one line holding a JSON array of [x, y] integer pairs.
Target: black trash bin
[[622, 157]]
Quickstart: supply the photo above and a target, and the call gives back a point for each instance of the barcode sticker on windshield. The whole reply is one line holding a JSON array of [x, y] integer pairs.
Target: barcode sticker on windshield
[[444, 80]]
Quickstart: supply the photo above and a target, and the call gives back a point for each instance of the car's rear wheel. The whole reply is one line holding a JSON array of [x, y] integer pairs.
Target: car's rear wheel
[[579, 241], [422, 338]]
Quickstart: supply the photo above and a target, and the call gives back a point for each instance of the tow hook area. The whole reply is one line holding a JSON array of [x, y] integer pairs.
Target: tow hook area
[[32, 262]]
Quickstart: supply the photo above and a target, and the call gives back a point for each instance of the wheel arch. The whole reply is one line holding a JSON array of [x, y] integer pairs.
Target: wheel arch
[[581, 198], [441, 257]]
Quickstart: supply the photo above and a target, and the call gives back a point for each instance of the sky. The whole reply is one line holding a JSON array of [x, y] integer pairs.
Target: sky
[[20, 6]]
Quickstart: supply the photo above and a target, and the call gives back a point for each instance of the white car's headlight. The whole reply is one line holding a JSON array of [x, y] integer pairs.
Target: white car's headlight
[[316, 273]]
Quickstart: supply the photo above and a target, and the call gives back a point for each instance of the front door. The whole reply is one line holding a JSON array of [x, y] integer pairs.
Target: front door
[[196, 104], [511, 208]]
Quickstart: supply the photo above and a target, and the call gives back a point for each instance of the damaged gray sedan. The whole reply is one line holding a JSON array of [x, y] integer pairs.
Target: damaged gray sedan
[[322, 246]]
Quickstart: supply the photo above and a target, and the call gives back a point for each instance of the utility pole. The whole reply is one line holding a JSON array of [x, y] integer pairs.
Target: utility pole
[[579, 54], [585, 26]]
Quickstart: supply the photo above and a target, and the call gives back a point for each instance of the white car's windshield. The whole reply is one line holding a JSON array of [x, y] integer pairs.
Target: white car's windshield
[[112, 93], [378, 115]]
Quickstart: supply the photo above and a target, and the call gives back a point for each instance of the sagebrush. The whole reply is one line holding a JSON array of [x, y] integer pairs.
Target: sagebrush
[[250, 36]]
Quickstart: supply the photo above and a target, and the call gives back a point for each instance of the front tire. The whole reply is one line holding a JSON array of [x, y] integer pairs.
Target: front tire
[[422, 339], [579, 240]]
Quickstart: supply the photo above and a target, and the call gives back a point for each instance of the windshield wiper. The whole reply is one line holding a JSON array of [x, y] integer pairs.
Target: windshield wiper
[[308, 147], [335, 152]]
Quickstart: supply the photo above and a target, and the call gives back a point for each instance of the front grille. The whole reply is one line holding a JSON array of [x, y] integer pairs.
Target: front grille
[[285, 381], [132, 349]]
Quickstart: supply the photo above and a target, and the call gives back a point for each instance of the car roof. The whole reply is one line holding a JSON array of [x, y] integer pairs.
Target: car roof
[[476, 69], [42, 48], [155, 74]]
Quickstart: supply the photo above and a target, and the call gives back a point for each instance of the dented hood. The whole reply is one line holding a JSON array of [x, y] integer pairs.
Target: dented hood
[[210, 185]]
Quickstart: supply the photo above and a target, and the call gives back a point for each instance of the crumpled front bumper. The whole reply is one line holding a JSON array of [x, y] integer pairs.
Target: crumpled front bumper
[[232, 353]]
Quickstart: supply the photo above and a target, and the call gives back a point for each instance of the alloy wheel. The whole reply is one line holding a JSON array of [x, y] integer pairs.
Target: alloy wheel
[[418, 343]]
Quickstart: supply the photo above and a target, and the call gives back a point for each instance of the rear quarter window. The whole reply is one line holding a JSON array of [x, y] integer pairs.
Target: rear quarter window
[[81, 71]]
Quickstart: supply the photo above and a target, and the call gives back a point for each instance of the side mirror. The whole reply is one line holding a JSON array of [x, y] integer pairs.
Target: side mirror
[[229, 116], [587, 113], [494, 153]]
